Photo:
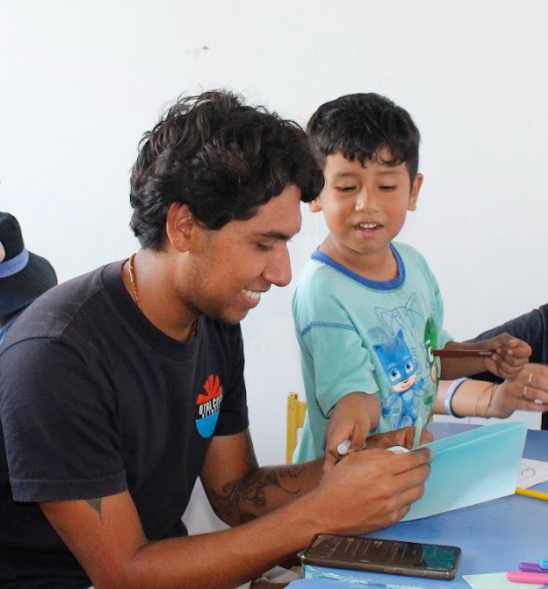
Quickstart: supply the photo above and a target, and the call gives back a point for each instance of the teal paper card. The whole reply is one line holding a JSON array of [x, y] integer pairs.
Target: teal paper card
[[315, 584], [471, 467]]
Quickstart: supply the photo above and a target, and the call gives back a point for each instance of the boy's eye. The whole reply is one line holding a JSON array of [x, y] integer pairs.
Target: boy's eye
[[345, 188], [388, 187]]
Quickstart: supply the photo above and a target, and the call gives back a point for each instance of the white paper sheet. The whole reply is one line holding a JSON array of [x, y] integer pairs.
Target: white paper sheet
[[532, 472]]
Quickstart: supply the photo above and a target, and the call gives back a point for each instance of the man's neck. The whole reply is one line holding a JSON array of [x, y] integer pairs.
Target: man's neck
[[157, 299]]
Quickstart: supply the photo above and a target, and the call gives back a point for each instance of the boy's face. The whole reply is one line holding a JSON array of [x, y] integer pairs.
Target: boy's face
[[365, 206]]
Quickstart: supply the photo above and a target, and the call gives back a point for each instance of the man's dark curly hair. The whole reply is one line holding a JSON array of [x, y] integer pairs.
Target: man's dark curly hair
[[360, 126], [220, 157]]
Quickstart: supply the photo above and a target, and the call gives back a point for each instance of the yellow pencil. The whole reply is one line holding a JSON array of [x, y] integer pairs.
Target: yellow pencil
[[529, 493]]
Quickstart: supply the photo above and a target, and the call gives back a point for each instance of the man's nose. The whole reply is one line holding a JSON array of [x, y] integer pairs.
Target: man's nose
[[278, 270]]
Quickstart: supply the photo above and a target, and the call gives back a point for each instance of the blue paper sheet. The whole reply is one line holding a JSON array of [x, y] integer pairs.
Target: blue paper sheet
[[471, 467]]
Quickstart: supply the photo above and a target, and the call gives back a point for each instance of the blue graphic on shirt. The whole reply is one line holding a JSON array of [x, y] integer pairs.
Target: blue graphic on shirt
[[400, 369], [405, 316]]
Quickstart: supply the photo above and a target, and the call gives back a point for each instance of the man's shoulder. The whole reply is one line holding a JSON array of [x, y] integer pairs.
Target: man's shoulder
[[52, 313]]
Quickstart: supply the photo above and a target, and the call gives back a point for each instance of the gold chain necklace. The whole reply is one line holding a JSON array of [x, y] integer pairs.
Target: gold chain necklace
[[135, 292], [131, 269]]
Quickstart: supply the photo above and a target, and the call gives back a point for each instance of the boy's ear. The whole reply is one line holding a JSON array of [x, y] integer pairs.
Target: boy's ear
[[315, 206], [415, 189], [180, 226]]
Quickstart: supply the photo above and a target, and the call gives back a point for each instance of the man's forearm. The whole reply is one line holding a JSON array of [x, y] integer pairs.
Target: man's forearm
[[264, 490], [112, 548]]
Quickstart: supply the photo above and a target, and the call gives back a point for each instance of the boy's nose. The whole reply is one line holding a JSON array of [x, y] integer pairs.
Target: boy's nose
[[366, 201]]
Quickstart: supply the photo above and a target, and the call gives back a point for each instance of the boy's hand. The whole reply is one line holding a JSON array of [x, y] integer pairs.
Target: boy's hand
[[404, 437], [352, 419], [511, 355]]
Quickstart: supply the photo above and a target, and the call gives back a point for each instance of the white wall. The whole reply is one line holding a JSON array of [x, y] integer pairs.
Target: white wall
[[81, 80]]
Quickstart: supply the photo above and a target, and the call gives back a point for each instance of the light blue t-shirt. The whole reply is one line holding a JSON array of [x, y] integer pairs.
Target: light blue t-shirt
[[360, 335]]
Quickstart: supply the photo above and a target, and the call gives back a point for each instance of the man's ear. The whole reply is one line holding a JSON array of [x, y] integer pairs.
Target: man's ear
[[315, 206], [415, 189], [180, 226]]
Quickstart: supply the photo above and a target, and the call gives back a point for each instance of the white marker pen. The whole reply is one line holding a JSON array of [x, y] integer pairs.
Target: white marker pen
[[343, 447]]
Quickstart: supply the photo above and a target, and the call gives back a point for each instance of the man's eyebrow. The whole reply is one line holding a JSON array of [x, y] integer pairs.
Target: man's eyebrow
[[273, 235]]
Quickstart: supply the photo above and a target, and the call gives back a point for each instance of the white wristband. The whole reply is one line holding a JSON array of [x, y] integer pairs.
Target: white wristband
[[449, 396]]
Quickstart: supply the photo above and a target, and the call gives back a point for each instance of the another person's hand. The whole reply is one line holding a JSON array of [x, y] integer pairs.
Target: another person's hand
[[370, 490], [528, 391], [510, 356], [350, 420]]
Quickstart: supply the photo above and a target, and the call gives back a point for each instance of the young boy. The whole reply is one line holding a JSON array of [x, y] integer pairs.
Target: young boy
[[368, 311]]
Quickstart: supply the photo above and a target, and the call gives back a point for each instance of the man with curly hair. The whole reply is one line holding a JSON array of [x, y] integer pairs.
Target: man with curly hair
[[131, 385]]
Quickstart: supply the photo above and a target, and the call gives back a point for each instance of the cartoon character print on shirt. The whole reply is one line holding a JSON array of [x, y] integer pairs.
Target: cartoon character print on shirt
[[411, 316], [401, 371], [431, 344], [208, 406]]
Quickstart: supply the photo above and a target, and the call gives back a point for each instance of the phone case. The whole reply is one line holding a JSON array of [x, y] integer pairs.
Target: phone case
[[390, 568]]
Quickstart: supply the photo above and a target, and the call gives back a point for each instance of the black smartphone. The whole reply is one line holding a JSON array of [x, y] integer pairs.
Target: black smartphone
[[383, 556]]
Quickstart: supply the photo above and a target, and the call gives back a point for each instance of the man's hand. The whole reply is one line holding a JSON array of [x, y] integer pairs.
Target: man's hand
[[353, 417], [370, 490], [511, 355]]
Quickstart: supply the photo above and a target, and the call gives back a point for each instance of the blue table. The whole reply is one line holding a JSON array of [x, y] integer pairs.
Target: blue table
[[494, 536]]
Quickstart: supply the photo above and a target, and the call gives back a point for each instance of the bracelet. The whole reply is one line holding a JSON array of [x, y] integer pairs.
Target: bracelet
[[493, 388], [449, 396]]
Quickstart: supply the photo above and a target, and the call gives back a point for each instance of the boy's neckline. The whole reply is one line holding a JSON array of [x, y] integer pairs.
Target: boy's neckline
[[378, 266], [395, 283]]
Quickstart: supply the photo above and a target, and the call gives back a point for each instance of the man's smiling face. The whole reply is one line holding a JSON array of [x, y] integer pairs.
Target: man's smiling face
[[242, 260]]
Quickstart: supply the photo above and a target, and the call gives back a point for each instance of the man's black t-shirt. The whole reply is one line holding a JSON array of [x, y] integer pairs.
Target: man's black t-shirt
[[94, 400]]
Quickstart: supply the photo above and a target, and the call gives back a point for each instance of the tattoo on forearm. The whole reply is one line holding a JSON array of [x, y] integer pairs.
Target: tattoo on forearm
[[96, 504], [230, 504]]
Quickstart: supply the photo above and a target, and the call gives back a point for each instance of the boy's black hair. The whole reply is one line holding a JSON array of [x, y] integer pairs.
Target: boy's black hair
[[359, 126], [220, 157]]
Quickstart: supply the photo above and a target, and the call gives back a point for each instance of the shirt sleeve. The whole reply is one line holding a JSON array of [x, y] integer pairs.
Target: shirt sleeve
[[340, 363], [233, 416], [335, 360], [60, 424]]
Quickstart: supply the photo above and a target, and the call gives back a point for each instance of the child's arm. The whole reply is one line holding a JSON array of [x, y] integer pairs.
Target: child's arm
[[509, 357], [352, 418]]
